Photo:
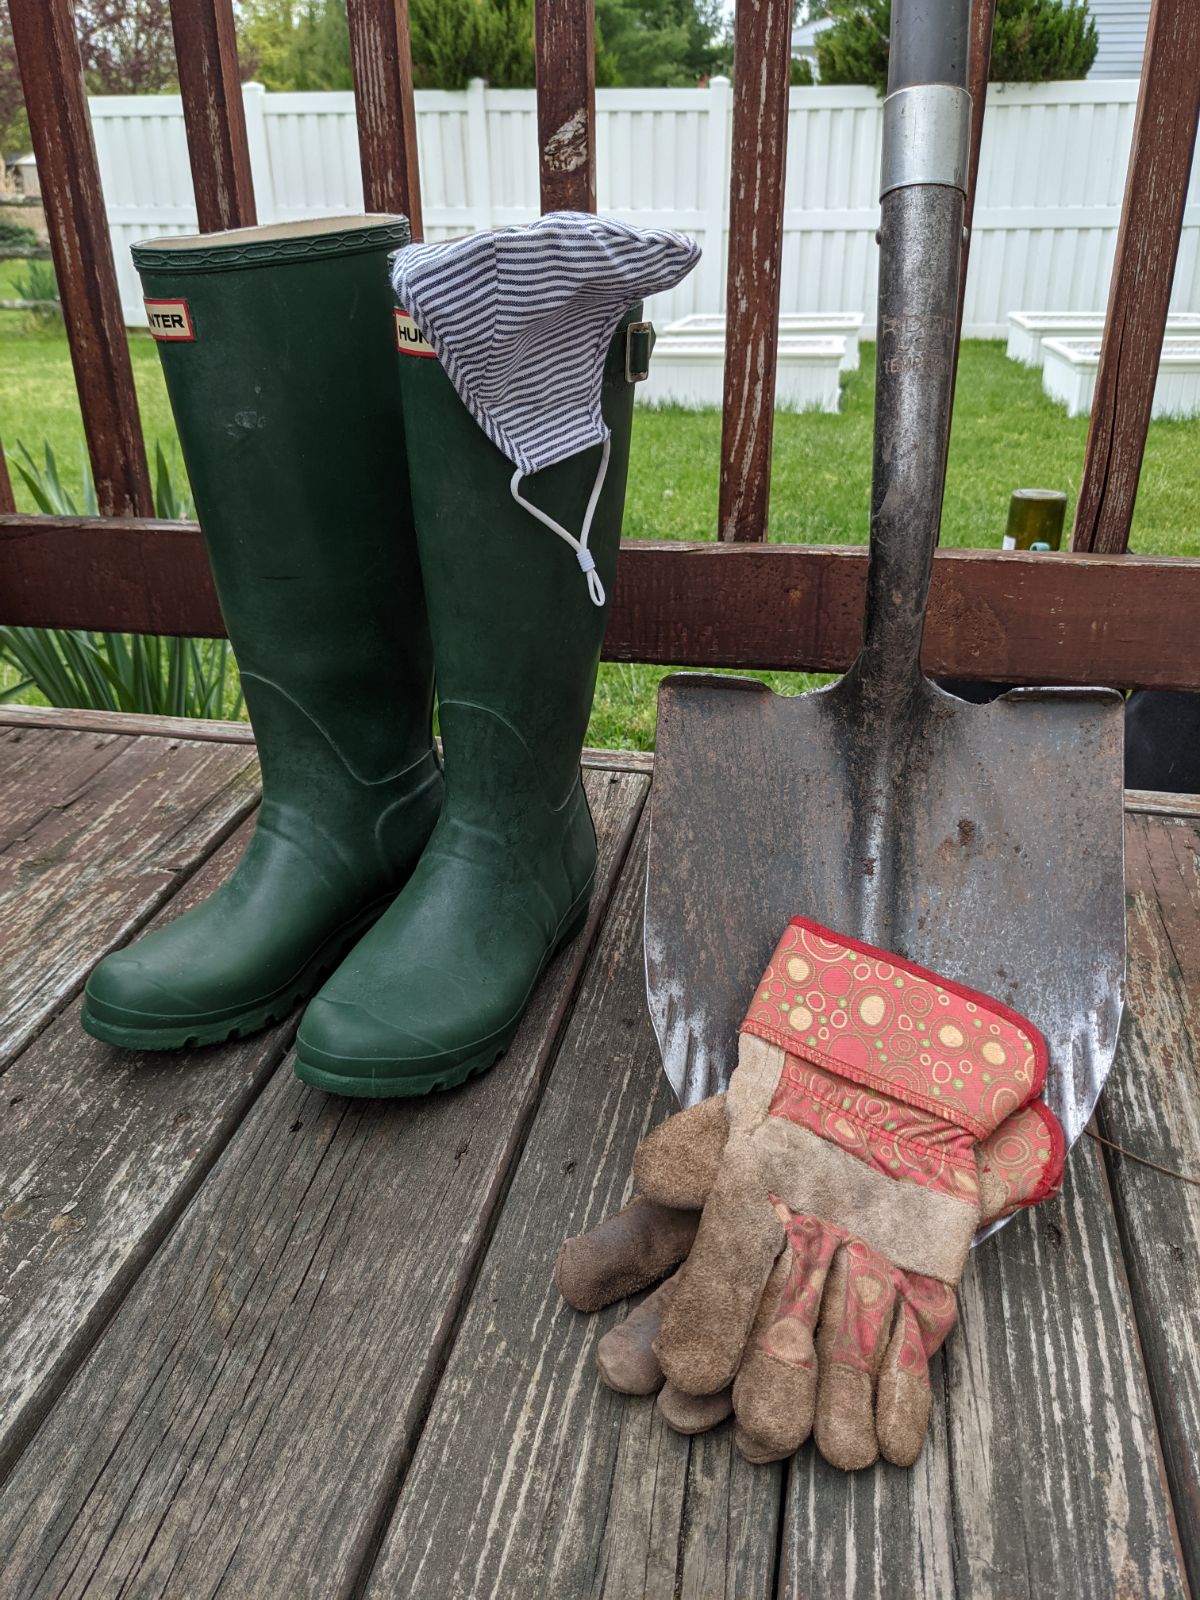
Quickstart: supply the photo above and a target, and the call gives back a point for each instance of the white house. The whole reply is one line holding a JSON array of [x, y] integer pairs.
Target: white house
[[1121, 25]]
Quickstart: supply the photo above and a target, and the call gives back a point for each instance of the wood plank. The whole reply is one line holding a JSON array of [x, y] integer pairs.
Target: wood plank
[[100, 1150], [99, 853], [52, 79], [41, 774], [761, 78], [565, 63], [138, 723], [242, 1420], [1041, 1476], [213, 731], [1156, 189], [532, 1477], [213, 114], [1039, 617], [1151, 1106], [381, 68]]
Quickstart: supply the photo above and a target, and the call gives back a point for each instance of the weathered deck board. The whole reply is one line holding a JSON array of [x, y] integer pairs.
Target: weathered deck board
[[1152, 1106], [98, 852], [1041, 1475], [531, 1477], [242, 1420], [100, 1149], [1052, 1429]]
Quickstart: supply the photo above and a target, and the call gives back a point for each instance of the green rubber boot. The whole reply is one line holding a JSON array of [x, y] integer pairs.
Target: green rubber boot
[[434, 993], [277, 348]]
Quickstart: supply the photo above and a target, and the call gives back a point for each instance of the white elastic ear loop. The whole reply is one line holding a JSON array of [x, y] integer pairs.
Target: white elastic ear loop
[[583, 555]]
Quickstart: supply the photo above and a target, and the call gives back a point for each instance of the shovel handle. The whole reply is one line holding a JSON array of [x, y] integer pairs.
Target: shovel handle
[[925, 133]]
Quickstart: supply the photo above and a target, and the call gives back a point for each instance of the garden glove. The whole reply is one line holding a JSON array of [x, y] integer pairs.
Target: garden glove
[[830, 1205]]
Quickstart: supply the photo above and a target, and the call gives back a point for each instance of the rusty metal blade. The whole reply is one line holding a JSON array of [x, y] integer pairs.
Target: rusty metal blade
[[984, 842]]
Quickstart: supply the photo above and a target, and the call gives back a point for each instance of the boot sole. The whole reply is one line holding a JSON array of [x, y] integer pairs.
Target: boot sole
[[197, 1031], [369, 1086]]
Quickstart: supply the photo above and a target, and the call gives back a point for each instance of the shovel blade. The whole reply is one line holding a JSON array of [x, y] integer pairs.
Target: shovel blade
[[983, 842]]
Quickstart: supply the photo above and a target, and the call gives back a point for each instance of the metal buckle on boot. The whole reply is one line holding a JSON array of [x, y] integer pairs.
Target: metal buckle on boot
[[639, 342]]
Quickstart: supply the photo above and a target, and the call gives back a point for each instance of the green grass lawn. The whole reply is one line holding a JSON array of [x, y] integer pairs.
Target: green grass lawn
[[1007, 435]]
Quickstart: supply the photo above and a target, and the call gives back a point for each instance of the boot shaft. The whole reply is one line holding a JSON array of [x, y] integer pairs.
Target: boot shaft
[[279, 366], [517, 635]]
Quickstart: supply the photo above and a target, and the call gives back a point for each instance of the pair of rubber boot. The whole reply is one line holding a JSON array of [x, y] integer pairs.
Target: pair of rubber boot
[[365, 546]]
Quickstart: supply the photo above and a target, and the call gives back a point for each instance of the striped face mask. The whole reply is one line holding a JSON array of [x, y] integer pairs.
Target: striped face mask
[[521, 320]]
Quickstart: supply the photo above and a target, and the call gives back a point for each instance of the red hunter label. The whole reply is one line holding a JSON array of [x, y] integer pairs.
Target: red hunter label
[[410, 341], [170, 319]]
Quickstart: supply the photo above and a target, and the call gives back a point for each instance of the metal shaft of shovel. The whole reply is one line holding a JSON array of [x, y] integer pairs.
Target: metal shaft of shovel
[[984, 842]]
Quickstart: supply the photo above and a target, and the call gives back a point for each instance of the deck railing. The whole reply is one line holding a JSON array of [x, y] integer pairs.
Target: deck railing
[[1093, 615]]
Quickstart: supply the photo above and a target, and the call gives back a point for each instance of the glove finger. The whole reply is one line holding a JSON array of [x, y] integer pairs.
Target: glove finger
[[709, 1318], [775, 1391], [676, 1163], [625, 1354], [693, 1413], [623, 1254], [924, 1316], [1022, 1162], [856, 1315]]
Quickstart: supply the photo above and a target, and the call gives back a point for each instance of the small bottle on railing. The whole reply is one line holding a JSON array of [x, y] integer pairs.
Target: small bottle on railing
[[1035, 519]]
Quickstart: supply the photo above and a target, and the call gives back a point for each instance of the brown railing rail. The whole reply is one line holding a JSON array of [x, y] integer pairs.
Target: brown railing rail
[[1099, 617]]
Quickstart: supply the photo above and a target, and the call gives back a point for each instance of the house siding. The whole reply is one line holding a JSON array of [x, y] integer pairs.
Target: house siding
[[1121, 25]]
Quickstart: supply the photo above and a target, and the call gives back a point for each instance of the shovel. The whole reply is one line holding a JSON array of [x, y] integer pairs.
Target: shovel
[[981, 841]]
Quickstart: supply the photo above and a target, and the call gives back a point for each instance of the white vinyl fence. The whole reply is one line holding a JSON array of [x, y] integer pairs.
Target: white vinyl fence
[[1050, 187]]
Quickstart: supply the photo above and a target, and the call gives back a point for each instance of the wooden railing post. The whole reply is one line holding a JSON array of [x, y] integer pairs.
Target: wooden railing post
[[1156, 187], [762, 68], [7, 503], [213, 114], [55, 99], [565, 46], [381, 66]]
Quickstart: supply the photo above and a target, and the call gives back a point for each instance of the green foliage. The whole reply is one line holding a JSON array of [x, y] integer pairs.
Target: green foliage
[[1035, 41], [304, 44], [802, 72], [288, 46], [116, 671], [16, 236], [855, 49], [36, 281], [454, 41], [660, 43]]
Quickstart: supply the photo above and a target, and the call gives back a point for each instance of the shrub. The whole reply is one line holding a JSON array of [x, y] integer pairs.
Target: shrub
[[16, 236], [117, 671], [1034, 41], [37, 282]]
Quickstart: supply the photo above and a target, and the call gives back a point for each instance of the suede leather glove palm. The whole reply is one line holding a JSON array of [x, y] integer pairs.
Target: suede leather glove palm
[[842, 1181]]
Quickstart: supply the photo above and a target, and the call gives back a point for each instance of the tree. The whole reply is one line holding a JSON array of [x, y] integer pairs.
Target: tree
[[285, 45], [660, 43], [454, 41], [304, 44], [14, 127], [126, 45], [1038, 40], [126, 48], [1035, 41]]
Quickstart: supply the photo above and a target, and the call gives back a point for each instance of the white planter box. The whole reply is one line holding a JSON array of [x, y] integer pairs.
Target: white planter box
[[691, 372], [1069, 375], [1027, 330], [845, 325]]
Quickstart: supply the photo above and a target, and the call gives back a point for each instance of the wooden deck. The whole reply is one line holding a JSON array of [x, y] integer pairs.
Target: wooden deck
[[259, 1342]]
